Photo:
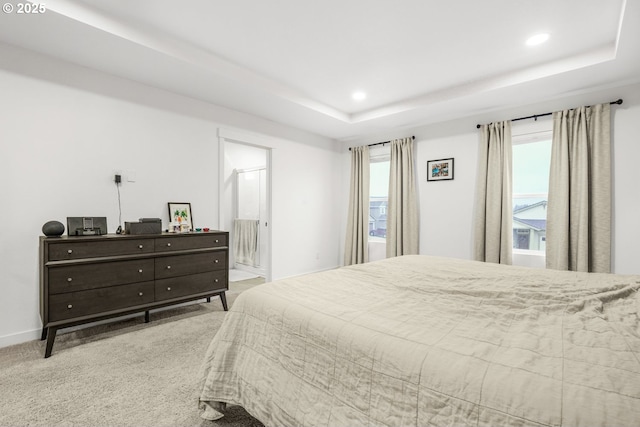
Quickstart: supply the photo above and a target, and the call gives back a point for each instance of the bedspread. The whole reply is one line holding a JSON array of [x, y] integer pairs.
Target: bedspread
[[430, 341]]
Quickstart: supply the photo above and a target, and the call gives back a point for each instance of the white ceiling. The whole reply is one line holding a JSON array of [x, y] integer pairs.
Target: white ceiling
[[297, 62]]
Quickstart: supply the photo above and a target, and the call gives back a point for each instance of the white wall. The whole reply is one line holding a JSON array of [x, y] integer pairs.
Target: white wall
[[66, 130], [446, 207], [626, 177], [306, 217]]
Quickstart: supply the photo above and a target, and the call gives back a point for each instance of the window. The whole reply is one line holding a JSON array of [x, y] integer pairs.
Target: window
[[378, 197], [531, 162], [379, 168]]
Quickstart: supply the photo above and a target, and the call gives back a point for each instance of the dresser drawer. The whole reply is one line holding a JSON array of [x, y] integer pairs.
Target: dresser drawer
[[193, 284], [180, 265], [97, 301], [69, 250], [90, 276], [193, 241]]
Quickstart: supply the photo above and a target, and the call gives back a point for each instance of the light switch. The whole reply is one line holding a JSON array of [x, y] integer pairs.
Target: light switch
[[131, 176]]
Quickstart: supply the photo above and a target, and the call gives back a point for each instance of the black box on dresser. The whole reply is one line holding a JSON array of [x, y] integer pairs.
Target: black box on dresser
[[85, 279]]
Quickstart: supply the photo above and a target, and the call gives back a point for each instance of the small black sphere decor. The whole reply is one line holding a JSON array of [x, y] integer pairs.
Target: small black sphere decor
[[53, 229]]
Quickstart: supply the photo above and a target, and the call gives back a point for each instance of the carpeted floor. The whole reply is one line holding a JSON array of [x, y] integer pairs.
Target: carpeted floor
[[123, 373]]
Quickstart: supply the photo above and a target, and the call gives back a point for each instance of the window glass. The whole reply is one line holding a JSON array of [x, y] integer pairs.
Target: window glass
[[378, 198], [531, 162]]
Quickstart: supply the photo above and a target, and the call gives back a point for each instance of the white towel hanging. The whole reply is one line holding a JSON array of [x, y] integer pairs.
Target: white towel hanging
[[245, 241]]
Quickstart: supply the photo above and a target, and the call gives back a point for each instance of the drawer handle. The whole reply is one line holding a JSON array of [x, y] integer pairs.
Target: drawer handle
[[168, 267], [216, 280], [216, 261], [169, 288], [168, 244], [140, 246], [70, 251], [140, 293], [217, 240], [140, 271], [69, 279], [70, 306]]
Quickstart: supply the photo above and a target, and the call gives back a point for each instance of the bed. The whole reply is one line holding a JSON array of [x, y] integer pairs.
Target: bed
[[431, 341]]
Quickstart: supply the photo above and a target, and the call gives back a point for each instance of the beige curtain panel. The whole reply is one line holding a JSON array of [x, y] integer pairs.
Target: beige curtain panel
[[357, 240], [402, 214], [579, 210], [493, 234]]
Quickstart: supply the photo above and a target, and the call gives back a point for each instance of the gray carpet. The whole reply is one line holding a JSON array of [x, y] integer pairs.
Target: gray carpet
[[124, 373]]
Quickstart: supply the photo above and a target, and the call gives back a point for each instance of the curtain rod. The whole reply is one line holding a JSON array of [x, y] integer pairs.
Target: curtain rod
[[535, 116], [382, 143]]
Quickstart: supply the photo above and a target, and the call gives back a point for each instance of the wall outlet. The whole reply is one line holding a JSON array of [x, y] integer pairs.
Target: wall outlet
[[118, 179]]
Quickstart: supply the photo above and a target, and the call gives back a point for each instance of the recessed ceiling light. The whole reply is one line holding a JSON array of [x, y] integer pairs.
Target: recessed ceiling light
[[359, 96], [537, 39]]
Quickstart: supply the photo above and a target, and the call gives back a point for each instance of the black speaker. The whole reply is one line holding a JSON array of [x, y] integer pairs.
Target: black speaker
[[53, 229], [86, 225]]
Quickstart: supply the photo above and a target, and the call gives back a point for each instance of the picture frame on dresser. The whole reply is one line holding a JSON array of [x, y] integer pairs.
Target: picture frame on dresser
[[180, 214]]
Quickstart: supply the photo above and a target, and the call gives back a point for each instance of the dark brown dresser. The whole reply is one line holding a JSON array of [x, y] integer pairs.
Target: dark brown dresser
[[85, 279]]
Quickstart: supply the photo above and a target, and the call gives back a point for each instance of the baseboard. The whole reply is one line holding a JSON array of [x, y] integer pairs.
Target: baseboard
[[309, 272], [36, 334], [20, 337]]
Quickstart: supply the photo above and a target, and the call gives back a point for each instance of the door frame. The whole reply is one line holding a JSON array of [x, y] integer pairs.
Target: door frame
[[230, 136]]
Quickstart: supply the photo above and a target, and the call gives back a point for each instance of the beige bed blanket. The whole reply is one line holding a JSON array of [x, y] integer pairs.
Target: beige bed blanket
[[427, 341]]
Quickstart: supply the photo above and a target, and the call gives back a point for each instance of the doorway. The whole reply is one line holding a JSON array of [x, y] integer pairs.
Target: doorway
[[245, 208], [250, 220]]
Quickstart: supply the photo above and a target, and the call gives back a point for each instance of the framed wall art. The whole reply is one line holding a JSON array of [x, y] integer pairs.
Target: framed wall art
[[180, 217], [440, 170]]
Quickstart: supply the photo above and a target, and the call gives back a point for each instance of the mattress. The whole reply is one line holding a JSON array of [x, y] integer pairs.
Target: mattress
[[430, 341]]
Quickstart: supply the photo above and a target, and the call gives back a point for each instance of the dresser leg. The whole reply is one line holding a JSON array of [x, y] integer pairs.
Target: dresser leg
[[44, 334], [208, 299], [146, 316], [50, 339], [223, 298]]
